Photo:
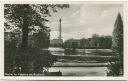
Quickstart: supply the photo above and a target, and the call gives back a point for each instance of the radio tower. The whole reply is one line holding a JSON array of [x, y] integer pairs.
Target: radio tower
[[60, 29]]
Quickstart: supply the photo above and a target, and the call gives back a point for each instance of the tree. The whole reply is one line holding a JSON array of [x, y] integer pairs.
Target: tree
[[94, 40], [26, 17], [83, 43], [117, 45], [105, 42], [41, 39], [10, 45]]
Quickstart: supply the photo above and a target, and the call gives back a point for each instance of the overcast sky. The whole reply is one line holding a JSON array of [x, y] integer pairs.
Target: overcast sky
[[83, 20]]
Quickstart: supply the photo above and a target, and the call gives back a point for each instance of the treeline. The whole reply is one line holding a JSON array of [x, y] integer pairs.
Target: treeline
[[96, 41]]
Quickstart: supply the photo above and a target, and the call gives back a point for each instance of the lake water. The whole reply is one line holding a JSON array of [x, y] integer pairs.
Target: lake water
[[80, 71], [60, 51]]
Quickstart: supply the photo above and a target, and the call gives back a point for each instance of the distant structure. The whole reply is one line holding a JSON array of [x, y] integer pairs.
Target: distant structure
[[60, 29], [57, 42]]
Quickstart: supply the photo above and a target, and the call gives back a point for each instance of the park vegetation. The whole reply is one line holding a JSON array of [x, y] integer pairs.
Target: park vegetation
[[96, 41], [28, 37], [116, 67]]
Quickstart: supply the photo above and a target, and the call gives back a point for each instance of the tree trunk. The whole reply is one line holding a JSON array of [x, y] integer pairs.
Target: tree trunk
[[24, 44], [25, 31]]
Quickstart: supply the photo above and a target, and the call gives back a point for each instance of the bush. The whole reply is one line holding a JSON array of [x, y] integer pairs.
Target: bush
[[114, 69]]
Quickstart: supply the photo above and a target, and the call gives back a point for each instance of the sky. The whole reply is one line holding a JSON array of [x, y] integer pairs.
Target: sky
[[84, 20]]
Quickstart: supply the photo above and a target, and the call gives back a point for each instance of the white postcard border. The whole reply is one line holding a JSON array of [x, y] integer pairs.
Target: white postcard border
[[125, 3]]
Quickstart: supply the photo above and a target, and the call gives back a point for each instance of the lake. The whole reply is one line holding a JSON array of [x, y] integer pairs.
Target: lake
[[60, 51], [80, 71]]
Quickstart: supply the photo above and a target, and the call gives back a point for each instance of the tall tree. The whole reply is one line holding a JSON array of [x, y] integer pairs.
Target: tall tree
[[117, 46], [26, 17], [117, 38]]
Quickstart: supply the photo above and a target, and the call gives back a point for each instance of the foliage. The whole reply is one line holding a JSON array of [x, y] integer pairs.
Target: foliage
[[105, 42], [26, 19], [9, 54], [70, 51], [117, 40], [102, 53], [117, 46], [114, 69], [101, 42], [84, 43], [27, 16], [94, 40], [41, 39]]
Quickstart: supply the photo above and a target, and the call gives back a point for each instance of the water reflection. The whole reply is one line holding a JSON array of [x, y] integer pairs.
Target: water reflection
[[80, 71]]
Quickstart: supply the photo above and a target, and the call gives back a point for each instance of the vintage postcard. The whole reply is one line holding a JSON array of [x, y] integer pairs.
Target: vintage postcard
[[64, 39]]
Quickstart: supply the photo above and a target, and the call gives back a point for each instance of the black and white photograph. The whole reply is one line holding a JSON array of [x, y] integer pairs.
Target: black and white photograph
[[64, 39]]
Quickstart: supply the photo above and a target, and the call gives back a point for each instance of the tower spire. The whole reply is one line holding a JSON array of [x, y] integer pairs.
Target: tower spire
[[60, 28]]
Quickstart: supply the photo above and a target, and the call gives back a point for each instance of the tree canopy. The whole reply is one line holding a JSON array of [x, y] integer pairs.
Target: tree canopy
[[25, 19], [116, 68], [27, 16]]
